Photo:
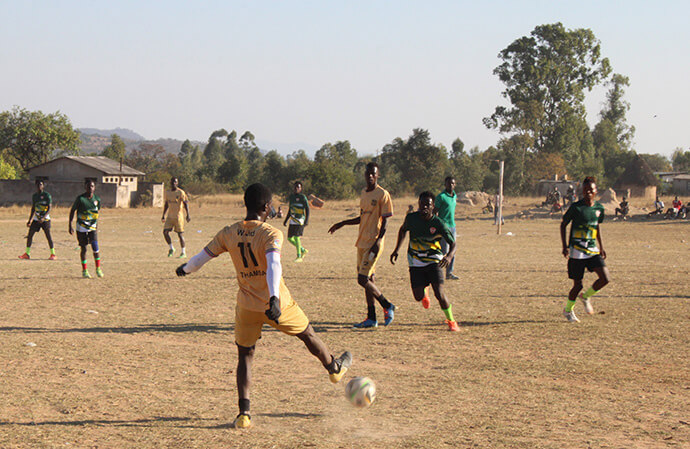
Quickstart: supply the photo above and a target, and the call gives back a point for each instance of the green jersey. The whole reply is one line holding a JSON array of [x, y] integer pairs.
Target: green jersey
[[41, 202], [299, 209], [445, 205], [87, 212], [585, 226], [425, 239]]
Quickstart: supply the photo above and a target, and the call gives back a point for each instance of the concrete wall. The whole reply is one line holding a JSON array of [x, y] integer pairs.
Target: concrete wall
[[545, 186], [63, 192], [154, 193], [636, 191]]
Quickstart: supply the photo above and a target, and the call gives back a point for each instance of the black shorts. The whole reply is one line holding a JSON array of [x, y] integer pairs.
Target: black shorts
[[423, 276], [576, 267], [38, 225], [84, 238], [295, 230]]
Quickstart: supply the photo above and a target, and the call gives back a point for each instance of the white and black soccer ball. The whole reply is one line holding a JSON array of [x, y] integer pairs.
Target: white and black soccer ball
[[361, 391]]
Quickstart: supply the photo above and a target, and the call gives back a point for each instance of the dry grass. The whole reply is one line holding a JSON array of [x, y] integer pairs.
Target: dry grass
[[143, 359]]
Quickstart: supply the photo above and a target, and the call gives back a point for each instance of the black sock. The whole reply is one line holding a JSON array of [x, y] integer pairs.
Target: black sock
[[244, 406], [371, 312], [384, 302]]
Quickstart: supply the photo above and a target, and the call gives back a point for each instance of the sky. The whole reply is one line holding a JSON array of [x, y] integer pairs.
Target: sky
[[299, 74]]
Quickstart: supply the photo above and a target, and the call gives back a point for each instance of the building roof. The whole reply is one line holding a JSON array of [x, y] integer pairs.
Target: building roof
[[637, 173], [681, 177], [101, 163]]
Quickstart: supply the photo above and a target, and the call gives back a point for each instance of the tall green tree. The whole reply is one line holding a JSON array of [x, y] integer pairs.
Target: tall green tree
[[34, 138], [681, 160], [116, 150], [546, 75], [615, 110]]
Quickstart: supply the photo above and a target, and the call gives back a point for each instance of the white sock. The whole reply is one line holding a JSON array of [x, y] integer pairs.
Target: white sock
[[172, 248], [183, 252]]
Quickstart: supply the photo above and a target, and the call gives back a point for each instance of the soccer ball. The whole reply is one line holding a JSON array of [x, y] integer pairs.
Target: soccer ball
[[361, 391]]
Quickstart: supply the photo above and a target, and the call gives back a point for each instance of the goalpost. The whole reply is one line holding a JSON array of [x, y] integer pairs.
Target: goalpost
[[499, 206]]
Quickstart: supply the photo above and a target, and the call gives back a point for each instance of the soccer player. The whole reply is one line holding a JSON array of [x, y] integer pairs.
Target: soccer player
[[86, 207], [39, 218], [174, 199], [375, 209], [262, 298], [425, 254], [586, 216], [298, 216], [445, 205]]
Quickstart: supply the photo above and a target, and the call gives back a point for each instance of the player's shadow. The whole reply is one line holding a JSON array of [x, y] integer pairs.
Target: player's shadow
[[144, 422], [173, 328]]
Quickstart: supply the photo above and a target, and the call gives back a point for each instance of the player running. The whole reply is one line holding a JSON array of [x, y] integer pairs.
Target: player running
[[39, 218], [262, 298], [298, 216], [375, 209], [425, 254], [86, 207], [175, 198], [586, 216]]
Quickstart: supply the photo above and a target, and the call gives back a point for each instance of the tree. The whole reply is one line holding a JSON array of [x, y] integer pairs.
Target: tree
[[615, 109], [33, 137], [681, 160], [657, 162], [468, 169], [116, 149], [546, 75], [7, 171]]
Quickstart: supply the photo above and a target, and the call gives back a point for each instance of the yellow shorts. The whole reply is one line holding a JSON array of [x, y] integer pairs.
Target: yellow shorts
[[248, 323], [175, 223], [366, 265]]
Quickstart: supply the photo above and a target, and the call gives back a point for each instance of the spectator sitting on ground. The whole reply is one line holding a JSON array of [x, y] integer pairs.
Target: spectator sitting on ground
[[674, 210], [624, 209], [489, 208], [658, 207]]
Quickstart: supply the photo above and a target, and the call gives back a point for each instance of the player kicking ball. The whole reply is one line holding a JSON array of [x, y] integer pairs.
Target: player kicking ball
[[425, 254], [262, 298], [585, 232]]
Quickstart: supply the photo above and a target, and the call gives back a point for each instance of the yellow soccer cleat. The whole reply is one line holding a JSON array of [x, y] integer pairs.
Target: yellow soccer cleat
[[243, 421], [339, 367]]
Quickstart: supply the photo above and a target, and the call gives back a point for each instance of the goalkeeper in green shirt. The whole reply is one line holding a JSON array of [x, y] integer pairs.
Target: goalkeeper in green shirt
[[298, 216]]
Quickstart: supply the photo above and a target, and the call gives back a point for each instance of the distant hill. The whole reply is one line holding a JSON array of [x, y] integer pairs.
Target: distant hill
[[94, 143], [125, 134]]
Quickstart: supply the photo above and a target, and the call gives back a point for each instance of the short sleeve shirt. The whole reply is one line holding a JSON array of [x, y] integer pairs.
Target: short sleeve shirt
[[41, 202], [299, 205], [87, 212], [585, 227], [248, 242], [373, 206], [425, 239], [174, 200], [445, 205]]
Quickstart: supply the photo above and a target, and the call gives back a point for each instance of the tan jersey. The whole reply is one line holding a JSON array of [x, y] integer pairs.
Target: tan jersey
[[374, 206], [248, 242], [174, 200]]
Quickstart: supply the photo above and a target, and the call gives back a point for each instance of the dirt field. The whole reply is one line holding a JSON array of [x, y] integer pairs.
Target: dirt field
[[142, 359]]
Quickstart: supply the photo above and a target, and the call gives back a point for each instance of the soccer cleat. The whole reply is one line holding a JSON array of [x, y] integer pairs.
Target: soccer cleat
[[99, 272], [182, 256], [452, 277], [52, 257], [171, 252], [85, 274], [426, 302], [570, 316], [299, 259], [588, 305], [303, 252], [243, 421], [342, 363], [367, 324], [25, 256], [453, 326], [388, 315]]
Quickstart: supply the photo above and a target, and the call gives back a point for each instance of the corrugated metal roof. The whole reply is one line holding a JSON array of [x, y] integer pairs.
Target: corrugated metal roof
[[103, 164]]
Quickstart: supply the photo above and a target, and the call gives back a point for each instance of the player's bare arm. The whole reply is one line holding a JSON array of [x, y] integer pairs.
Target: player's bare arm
[[71, 217], [401, 236], [340, 224], [377, 244], [31, 214], [186, 209], [165, 210], [564, 226], [449, 256]]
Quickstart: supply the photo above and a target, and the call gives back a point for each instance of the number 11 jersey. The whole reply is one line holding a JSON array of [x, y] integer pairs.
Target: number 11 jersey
[[248, 242]]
